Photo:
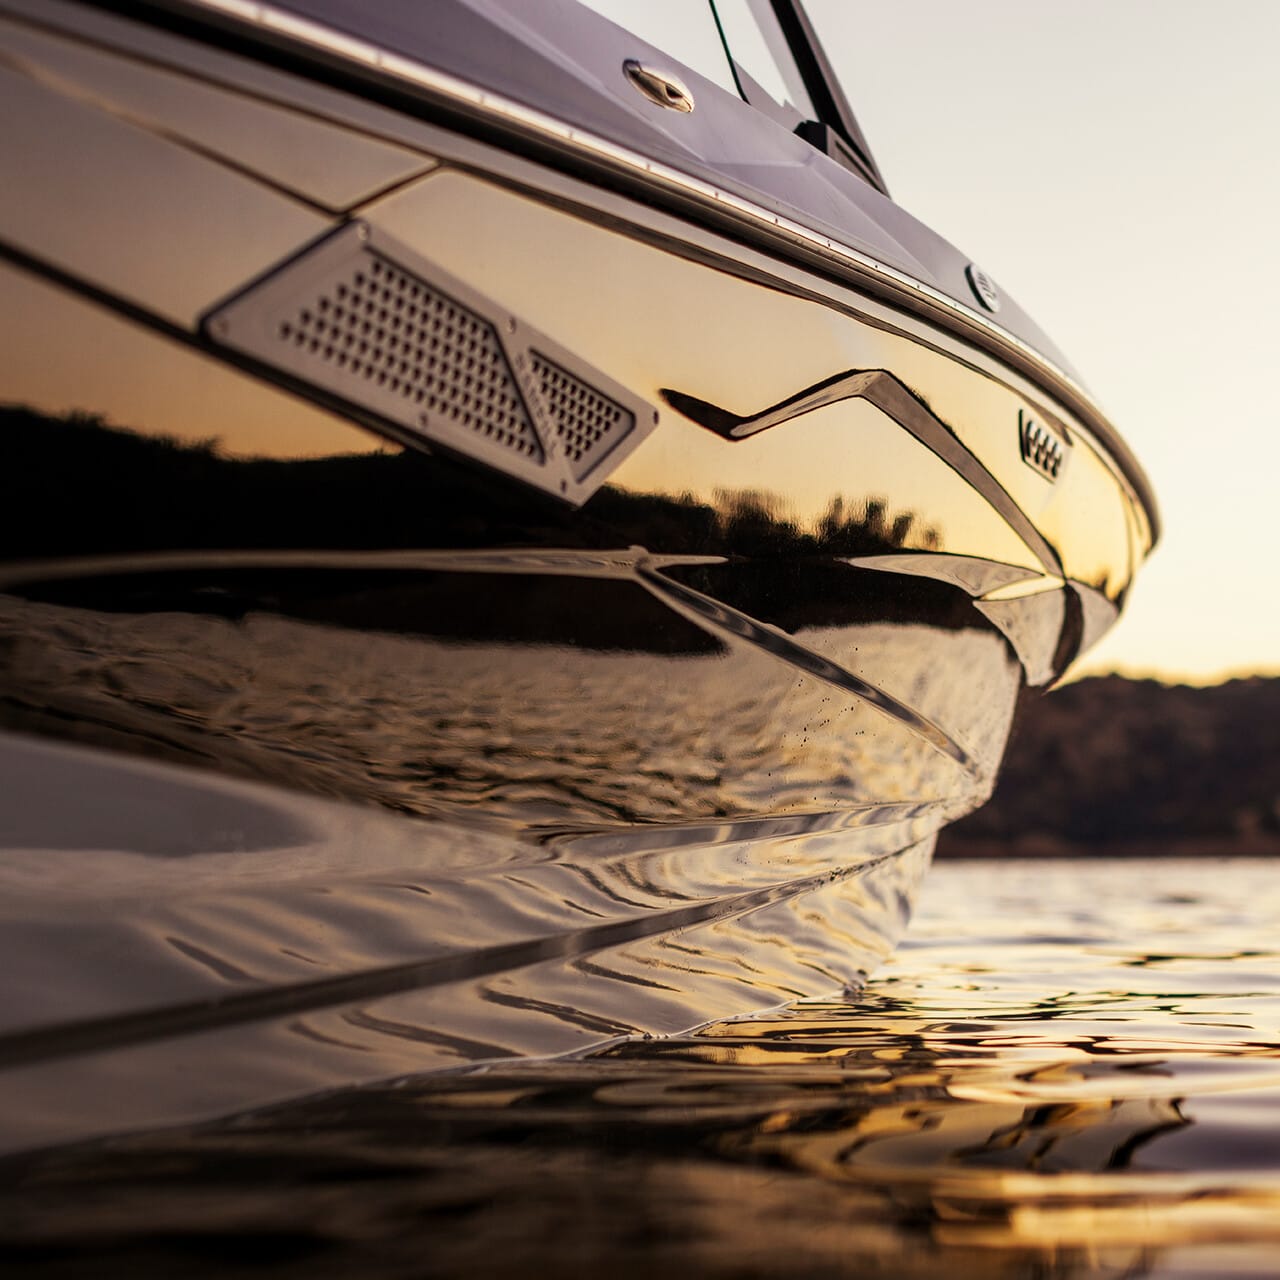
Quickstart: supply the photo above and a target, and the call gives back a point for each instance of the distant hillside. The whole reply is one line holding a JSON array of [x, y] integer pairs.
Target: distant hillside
[[1110, 765]]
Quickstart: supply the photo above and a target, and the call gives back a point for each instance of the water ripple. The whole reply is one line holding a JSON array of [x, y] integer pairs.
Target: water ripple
[[1073, 1070]]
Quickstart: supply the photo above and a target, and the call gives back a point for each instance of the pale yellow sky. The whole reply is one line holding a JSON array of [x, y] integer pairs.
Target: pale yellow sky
[[1112, 163]]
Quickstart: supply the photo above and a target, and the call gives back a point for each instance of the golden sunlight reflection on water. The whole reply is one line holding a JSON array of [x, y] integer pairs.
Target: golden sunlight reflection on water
[[1069, 1069]]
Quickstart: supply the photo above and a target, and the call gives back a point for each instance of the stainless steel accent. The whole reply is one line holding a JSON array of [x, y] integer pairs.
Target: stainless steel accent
[[896, 401], [984, 288], [362, 318], [661, 87], [1040, 447]]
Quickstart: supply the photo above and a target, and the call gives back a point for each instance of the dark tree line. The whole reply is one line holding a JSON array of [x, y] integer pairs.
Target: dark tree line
[[1111, 765]]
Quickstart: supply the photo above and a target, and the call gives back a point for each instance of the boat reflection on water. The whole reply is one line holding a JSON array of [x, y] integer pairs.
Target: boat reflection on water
[[942, 1123]]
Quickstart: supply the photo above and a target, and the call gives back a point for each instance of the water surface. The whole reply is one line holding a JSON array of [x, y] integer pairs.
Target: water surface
[[1070, 1068]]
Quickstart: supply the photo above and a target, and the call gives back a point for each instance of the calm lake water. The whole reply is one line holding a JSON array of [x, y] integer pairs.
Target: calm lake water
[[1069, 1068]]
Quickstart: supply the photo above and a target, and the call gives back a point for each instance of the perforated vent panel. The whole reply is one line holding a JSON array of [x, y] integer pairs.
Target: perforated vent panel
[[589, 423], [362, 320], [402, 336]]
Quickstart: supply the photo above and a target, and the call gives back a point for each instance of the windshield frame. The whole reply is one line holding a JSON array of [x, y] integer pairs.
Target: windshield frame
[[836, 130]]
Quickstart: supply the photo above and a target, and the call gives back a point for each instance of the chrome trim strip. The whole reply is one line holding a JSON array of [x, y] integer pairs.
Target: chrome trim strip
[[278, 22], [621, 564], [712, 613]]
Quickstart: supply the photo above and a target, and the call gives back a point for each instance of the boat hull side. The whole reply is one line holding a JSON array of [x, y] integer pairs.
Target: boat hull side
[[177, 947]]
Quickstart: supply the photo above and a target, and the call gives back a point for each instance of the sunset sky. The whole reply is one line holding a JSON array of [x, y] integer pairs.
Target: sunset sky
[[1113, 164]]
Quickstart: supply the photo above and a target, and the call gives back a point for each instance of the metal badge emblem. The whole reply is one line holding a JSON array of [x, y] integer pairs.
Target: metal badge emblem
[[1040, 447], [984, 288]]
